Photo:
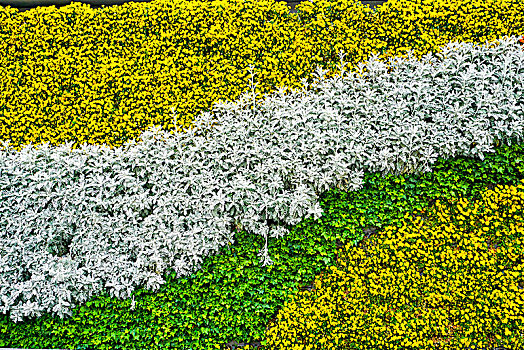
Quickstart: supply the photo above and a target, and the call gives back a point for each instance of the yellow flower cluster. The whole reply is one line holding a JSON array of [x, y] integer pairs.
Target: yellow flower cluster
[[104, 76], [449, 276]]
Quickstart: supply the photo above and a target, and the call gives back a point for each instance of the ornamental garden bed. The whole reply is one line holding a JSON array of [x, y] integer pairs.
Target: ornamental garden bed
[[376, 207]]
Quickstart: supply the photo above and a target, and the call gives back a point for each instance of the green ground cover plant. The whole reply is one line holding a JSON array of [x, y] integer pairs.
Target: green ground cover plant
[[231, 297]]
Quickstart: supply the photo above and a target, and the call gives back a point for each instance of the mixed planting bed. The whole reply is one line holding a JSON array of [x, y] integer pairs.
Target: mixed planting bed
[[378, 208]]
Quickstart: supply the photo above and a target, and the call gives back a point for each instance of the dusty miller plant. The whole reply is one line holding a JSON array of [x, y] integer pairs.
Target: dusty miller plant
[[76, 222]]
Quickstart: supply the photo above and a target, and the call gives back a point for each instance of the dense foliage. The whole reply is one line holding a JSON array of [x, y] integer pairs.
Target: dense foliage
[[104, 76], [453, 277], [231, 297]]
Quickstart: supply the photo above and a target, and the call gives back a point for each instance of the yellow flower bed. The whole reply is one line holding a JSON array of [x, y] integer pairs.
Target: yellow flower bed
[[450, 279], [103, 76]]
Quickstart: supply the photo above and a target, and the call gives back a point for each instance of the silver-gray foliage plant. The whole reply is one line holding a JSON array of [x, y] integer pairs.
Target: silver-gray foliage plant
[[74, 223]]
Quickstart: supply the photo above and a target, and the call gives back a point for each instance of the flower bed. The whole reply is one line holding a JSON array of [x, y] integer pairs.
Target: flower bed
[[135, 245]]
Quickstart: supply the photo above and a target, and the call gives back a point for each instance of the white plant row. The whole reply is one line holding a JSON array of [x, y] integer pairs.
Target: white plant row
[[74, 223]]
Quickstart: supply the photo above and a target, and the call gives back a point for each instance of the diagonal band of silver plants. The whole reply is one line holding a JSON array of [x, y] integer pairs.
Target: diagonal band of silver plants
[[76, 222]]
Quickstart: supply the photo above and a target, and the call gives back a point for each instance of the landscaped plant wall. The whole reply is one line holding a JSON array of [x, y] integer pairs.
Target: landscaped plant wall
[[107, 217], [170, 200]]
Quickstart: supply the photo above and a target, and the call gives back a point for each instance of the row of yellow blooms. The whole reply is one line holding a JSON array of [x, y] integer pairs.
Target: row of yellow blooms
[[104, 76], [450, 276]]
